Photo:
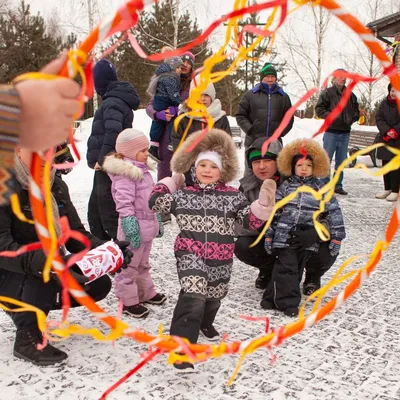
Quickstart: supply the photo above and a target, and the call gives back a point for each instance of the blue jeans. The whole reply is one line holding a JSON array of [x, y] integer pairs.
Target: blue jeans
[[336, 143]]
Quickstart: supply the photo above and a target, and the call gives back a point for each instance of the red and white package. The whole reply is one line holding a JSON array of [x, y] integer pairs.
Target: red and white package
[[102, 260]]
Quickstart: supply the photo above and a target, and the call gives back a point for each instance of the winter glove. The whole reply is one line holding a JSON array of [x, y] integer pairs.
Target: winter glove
[[392, 134], [130, 226], [123, 245], [160, 116], [303, 239], [268, 245], [334, 247], [267, 194], [160, 226], [385, 138], [173, 110]]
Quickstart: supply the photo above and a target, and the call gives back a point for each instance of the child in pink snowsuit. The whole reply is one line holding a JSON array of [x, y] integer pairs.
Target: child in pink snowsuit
[[131, 188]]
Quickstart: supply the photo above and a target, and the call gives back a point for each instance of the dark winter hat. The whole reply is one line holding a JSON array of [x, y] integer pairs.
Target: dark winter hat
[[268, 69], [174, 62], [104, 72], [188, 56], [254, 152]]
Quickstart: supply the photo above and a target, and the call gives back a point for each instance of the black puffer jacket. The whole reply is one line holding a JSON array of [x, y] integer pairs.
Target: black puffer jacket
[[113, 116], [261, 110], [328, 100], [387, 117], [15, 233]]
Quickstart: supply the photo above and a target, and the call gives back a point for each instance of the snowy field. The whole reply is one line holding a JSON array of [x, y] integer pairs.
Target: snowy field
[[353, 354]]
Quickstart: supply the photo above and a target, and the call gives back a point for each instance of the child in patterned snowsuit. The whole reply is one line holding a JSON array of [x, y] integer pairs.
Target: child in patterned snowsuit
[[131, 188], [283, 291], [206, 214]]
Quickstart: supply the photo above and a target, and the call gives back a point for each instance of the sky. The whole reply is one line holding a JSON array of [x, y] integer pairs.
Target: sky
[[339, 45]]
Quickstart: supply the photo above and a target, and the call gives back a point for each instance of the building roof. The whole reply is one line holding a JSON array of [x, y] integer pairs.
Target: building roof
[[388, 26]]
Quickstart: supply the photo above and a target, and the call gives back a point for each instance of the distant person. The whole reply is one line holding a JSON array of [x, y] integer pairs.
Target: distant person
[[165, 87], [164, 151], [115, 114], [388, 123], [262, 108], [336, 137], [214, 107]]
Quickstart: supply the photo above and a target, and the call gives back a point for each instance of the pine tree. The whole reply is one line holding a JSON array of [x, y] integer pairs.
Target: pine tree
[[155, 30], [24, 43]]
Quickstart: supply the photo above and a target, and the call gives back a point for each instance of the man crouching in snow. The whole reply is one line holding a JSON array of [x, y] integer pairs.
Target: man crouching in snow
[[21, 276]]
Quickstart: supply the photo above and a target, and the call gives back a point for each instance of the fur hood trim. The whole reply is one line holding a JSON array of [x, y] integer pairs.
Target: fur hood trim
[[214, 140], [117, 166], [321, 165]]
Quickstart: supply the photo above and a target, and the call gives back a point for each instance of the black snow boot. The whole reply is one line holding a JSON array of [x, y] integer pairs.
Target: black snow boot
[[25, 347]]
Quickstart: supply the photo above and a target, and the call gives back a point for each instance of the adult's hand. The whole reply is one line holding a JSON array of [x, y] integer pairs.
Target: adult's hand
[[47, 108], [97, 167]]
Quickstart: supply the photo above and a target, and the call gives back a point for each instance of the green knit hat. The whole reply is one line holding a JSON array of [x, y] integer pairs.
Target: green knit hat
[[268, 69]]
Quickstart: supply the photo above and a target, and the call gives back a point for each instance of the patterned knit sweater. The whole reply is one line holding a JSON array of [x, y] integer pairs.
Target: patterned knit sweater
[[206, 215]]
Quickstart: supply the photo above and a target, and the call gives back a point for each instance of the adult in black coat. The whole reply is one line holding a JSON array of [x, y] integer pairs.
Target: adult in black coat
[[21, 276], [262, 108], [388, 123], [336, 137], [113, 116], [208, 98]]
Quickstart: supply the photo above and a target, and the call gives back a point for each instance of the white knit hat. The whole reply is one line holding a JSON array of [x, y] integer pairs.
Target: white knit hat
[[209, 90], [210, 156], [130, 141]]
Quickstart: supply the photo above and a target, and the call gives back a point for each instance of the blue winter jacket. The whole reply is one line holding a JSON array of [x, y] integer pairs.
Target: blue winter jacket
[[112, 117], [298, 213], [169, 84]]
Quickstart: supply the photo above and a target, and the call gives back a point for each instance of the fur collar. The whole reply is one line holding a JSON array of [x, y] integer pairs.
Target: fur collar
[[122, 167]]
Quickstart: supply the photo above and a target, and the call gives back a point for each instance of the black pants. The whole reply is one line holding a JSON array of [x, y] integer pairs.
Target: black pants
[[284, 287], [255, 256], [45, 296], [391, 179], [102, 214], [319, 263], [193, 312]]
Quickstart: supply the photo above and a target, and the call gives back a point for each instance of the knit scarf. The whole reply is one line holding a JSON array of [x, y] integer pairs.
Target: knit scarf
[[214, 109], [22, 175]]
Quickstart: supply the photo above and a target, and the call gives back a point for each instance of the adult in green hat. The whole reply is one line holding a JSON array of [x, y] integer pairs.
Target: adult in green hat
[[263, 107]]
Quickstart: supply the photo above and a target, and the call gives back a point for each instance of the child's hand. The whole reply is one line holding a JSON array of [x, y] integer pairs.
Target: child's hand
[[267, 194], [334, 247], [268, 245]]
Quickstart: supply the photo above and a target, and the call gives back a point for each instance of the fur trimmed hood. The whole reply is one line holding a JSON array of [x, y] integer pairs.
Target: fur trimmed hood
[[215, 140], [123, 167], [321, 165]]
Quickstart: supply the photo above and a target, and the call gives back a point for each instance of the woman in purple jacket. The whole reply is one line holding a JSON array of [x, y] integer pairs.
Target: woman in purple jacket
[[165, 154], [131, 188]]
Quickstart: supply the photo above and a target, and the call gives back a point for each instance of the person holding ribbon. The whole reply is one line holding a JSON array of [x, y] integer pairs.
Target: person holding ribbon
[[21, 275]]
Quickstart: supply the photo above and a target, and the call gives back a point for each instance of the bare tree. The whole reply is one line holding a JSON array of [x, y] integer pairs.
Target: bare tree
[[305, 56], [357, 58]]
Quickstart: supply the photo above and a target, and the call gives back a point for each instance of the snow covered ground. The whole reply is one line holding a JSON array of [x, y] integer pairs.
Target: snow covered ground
[[353, 354]]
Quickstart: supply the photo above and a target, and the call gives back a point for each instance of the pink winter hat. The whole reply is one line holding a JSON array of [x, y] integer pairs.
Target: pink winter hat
[[130, 141]]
